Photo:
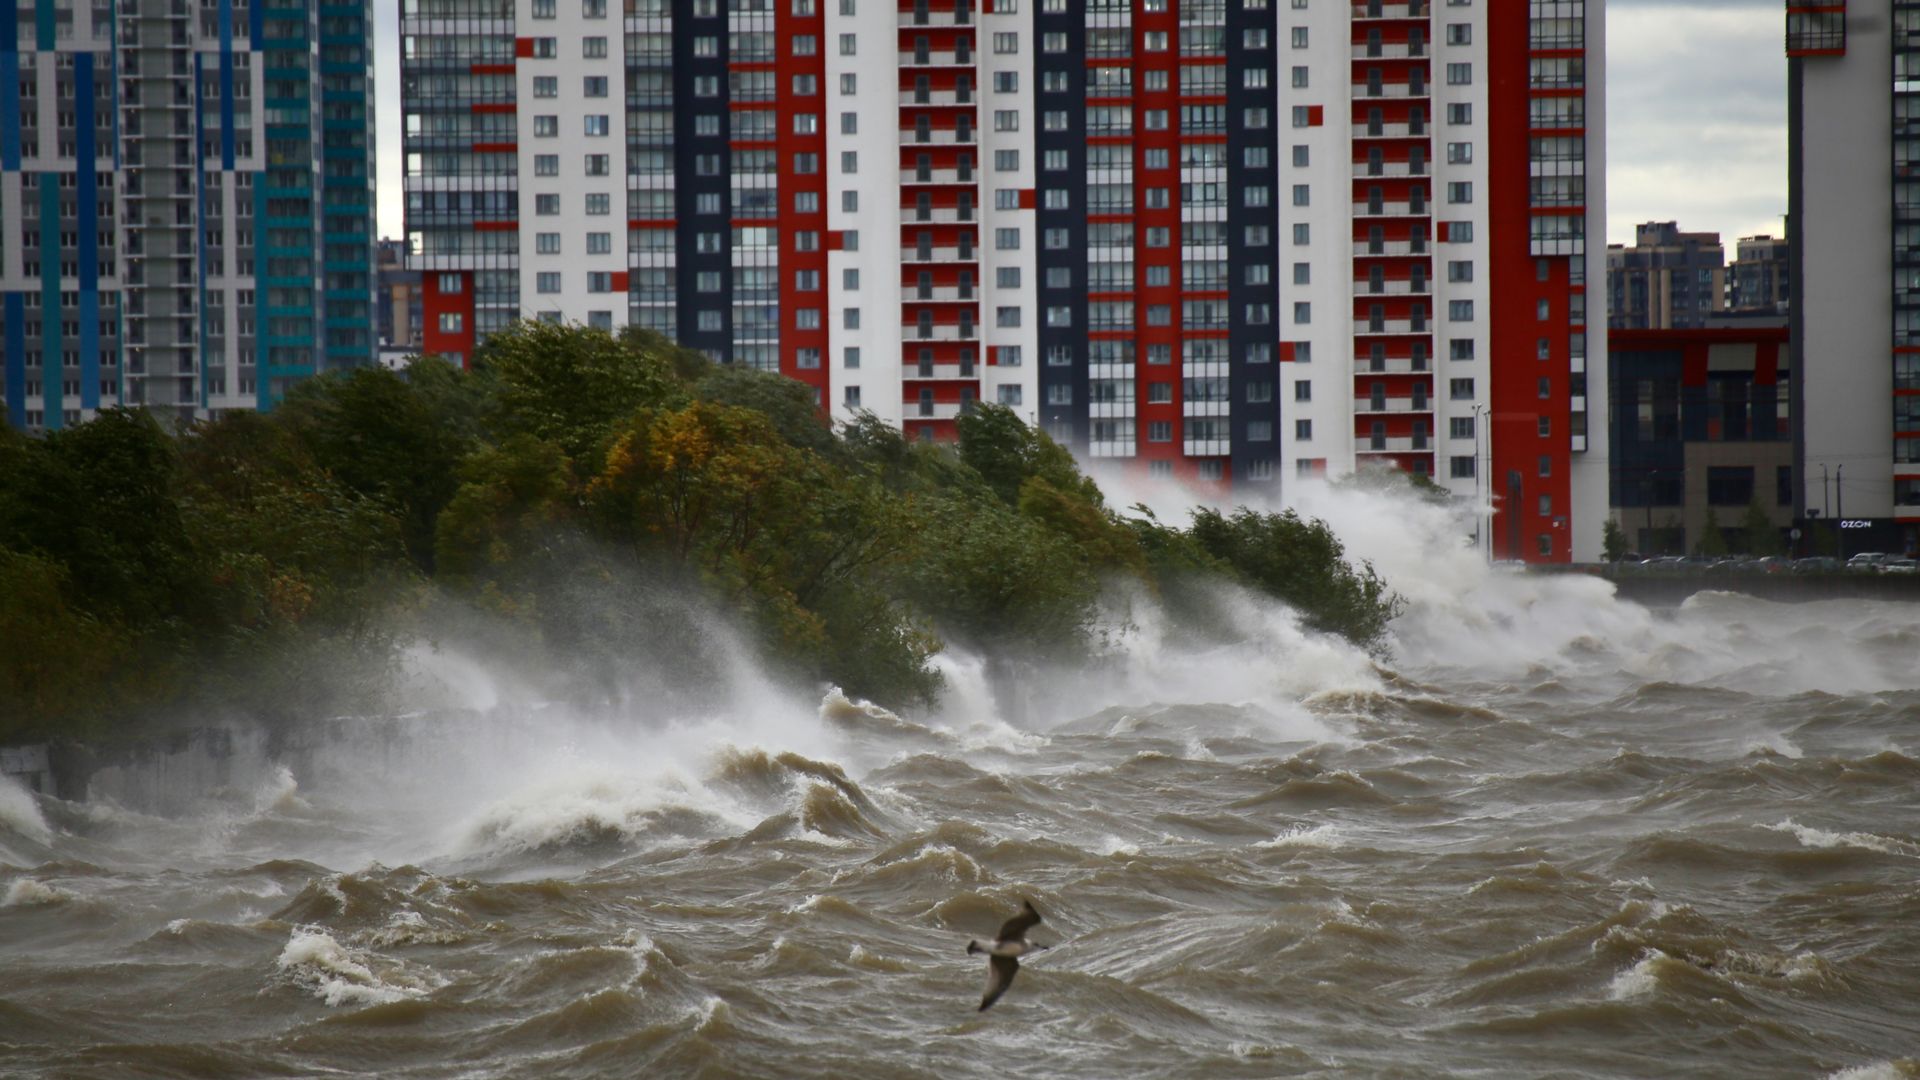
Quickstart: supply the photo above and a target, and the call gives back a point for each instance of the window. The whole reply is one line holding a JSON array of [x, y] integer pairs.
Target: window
[[851, 395], [593, 86], [1457, 232], [1006, 317], [546, 164], [546, 127], [1303, 430], [593, 48], [1545, 467], [546, 204], [1006, 277], [599, 205], [849, 44], [1302, 234], [1299, 37], [1460, 311], [598, 165], [1160, 431], [1006, 239], [1006, 43], [1459, 153], [545, 48], [1302, 390], [850, 318], [1546, 427], [1006, 82], [599, 281], [1460, 389], [1009, 395], [1460, 427], [1460, 112], [545, 86], [1460, 270], [849, 161], [1006, 161], [596, 125], [850, 358], [850, 279], [1302, 195], [547, 281], [1545, 388], [1302, 313], [1460, 349], [1254, 38], [849, 123], [547, 243], [1459, 191], [1459, 74], [450, 322], [544, 9], [1006, 120], [1542, 310], [1459, 33], [849, 85], [1460, 466]]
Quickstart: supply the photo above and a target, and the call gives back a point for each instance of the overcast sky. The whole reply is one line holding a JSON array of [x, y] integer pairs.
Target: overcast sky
[[1696, 111]]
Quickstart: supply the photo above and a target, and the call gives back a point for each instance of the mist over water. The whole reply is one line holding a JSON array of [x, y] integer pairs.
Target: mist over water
[[1551, 834]]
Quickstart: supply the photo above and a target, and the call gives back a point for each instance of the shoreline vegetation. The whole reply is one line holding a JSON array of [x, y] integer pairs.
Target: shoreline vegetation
[[582, 504]]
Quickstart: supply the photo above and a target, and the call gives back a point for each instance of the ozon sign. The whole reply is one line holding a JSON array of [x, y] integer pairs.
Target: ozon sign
[[1856, 524]]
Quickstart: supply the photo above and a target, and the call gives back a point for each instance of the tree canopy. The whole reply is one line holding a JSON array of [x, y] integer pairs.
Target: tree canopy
[[598, 501]]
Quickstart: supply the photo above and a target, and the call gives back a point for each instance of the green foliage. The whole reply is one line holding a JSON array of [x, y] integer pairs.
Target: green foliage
[[1304, 564], [379, 437], [570, 385], [1762, 537], [1613, 541], [1713, 540], [595, 500]]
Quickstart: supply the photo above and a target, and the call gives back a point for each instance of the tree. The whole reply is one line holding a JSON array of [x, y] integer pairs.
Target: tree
[[1007, 453], [569, 385], [1302, 563], [1613, 541], [373, 432], [1713, 541], [1762, 536]]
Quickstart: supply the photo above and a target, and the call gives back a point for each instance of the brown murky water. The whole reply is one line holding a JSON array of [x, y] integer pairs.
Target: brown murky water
[[1560, 837]]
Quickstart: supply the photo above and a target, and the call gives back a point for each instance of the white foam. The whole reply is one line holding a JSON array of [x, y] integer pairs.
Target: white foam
[[1113, 845], [1637, 981], [28, 892], [1879, 1070], [1822, 838], [1305, 836], [20, 814], [338, 975]]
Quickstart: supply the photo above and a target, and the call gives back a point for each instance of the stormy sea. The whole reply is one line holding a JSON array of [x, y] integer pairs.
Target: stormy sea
[[1548, 833]]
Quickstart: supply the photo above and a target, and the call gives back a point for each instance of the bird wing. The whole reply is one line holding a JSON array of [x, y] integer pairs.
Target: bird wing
[[1000, 973], [1015, 929]]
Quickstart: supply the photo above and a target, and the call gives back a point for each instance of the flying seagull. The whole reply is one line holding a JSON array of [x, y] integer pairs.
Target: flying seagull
[[1003, 954]]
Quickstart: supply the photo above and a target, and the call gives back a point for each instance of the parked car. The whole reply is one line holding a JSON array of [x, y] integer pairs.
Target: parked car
[[1774, 564], [1900, 566], [1817, 564], [1867, 562]]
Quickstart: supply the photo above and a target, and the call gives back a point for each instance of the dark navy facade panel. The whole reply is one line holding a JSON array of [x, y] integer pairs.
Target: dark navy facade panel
[[1651, 470], [1055, 379], [1250, 300], [689, 185]]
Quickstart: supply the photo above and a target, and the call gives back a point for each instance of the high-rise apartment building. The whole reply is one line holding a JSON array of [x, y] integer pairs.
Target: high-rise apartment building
[[1230, 240], [187, 197], [1760, 276], [1853, 80], [1667, 280]]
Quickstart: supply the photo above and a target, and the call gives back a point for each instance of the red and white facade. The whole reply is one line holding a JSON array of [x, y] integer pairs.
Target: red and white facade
[[1237, 241]]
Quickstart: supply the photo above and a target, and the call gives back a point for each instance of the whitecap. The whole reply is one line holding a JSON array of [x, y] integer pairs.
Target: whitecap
[[339, 976], [28, 892], [20, 814], [1325, 837], [1637, 981], [1822, 838]]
